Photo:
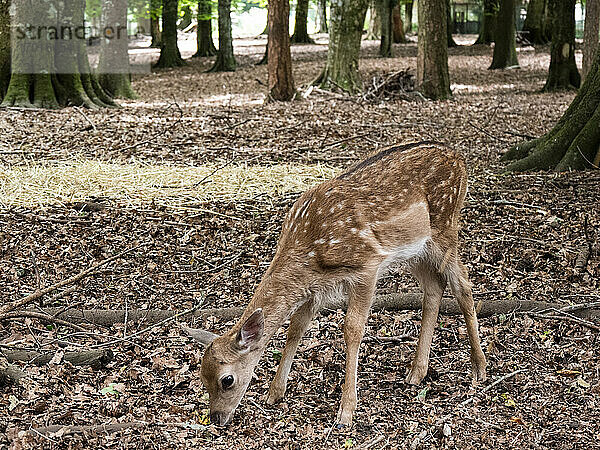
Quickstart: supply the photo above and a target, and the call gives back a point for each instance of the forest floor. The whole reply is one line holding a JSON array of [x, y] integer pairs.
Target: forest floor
[[521, 236]]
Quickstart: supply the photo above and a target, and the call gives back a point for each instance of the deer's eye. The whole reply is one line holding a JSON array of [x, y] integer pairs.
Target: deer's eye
[[227, 381]]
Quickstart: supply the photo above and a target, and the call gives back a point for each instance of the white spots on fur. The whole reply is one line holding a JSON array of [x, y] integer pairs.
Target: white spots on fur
[[324, 225], [364, 232], [348, 219], [332, 209], [353, 230], [319, 211], [334, 241], [311, 254], [320, 241]]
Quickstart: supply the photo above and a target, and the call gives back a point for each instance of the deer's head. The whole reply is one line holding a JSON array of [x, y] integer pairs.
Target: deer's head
[[228, 365]]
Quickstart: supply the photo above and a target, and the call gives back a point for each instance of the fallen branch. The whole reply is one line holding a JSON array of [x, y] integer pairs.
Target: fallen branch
[[392, 302], [31, 297], [93, 358], [43, 317], [10, 374], [66, 430]]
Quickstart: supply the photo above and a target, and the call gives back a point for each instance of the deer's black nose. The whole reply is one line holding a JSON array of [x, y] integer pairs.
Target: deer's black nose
[[218, 418]]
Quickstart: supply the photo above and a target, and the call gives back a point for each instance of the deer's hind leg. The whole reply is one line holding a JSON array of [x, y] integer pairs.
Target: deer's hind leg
[[458, 279], [299, 323], [433, 284]]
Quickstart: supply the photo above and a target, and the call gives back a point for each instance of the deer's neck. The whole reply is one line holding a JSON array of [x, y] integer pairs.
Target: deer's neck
[[278, 296]]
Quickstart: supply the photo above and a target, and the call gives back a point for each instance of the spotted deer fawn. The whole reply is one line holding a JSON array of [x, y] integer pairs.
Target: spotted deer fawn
[[401, 204]]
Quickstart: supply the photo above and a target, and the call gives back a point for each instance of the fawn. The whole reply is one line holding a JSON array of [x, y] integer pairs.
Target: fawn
[[401, 204]]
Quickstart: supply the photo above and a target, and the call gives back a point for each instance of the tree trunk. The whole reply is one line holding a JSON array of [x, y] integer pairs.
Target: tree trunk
[[346, 21], [562, 73], [225, 60], [281, 82], [300, 35], [374, 28], [4, 47], [488, 22], [206, 46], [322, 16], [574, 143], [590, 34], [533, 27], [113, 66], [505, 51], [384, 12], [408, 16], [398, 26], [449, 26], [433, 80], [155, 13], [49, 72], [186, 19], [169, 51]]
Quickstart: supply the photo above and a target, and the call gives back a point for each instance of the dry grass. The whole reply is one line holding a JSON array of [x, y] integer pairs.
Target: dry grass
[[133, 184]]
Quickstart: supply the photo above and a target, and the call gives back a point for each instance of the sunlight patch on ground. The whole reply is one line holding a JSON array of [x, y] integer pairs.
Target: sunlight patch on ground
[[136, 184]]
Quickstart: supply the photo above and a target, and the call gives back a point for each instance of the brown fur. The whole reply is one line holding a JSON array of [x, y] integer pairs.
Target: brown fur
[[402, 204]]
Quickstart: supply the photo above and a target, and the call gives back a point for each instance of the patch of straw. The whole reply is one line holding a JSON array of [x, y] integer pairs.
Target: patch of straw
[[136, 184]]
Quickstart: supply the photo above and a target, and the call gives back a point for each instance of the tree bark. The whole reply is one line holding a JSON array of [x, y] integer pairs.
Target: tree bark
[[225, 60], [505, 51], [346, 21], [449, 26], [49, 72], [408, 16], [155, 14], [398, 26], [574, 143], [300, 35], [322, 16], [562, 73], [93, 358], [169, 51], [113, 67], [206, 46], [281, 81], [374, 27], [590, 34], [533, 27], [384, 12], [488, 22], [4, 47], [433, 80]]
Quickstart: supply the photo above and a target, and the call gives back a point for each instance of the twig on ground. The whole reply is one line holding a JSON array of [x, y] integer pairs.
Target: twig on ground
[[487, 388], [30, 298]]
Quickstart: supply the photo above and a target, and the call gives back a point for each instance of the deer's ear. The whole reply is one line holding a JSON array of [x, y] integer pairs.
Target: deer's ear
[[204, 337], [252, 330]]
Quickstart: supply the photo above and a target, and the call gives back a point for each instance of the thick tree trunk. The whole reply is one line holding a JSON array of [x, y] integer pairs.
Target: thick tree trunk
[[505, 51], [186, 19], [488, 22], [346, 21], [384, 12], [574, 143], [398, 26], [408, 16], [300, 35], [4, 47], [225, 60], [206, 46], [562, 73], [533, 27], [49, 72], [169, 51], [590, 34], [113, 67], [322, 16], [281, 82], [155, 14], [449, 26], [433, 80]]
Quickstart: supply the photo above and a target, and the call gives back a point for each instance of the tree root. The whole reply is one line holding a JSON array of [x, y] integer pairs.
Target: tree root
[[96, 359]]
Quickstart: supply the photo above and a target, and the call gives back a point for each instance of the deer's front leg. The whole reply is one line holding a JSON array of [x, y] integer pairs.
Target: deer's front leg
[[298, 325], [359, 303]]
